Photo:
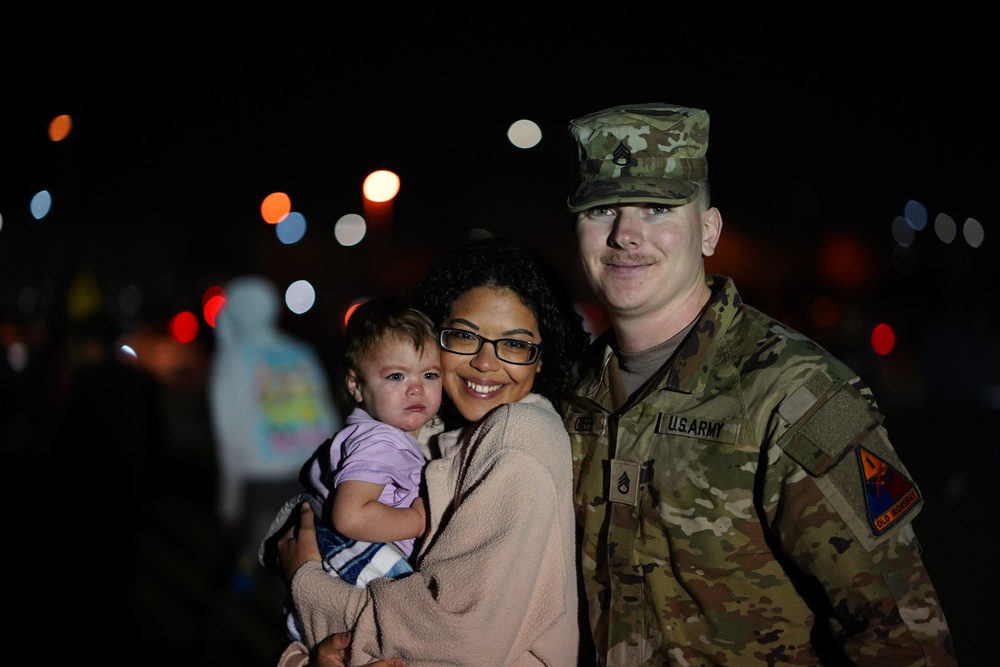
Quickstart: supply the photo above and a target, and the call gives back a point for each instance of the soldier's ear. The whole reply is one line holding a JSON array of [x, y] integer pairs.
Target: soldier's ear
[[711, 230]]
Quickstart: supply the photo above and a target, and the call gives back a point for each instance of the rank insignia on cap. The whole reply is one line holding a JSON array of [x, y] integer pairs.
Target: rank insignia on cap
[[622, 155], [889, 496]]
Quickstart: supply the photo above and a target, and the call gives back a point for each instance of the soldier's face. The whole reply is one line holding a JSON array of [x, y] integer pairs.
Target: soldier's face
[[646, 258]]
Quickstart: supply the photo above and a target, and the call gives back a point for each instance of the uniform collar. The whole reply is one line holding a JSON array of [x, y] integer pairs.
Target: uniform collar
[[688, 370]]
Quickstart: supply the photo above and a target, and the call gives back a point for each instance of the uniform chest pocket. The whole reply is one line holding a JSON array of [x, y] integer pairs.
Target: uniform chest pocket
[[700, 479]]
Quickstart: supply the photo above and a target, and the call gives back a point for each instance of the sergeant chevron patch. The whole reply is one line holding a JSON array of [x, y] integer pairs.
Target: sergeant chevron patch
[[889, 496]]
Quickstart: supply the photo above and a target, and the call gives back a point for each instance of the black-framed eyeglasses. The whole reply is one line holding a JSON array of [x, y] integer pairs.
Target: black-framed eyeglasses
[[511, 350]]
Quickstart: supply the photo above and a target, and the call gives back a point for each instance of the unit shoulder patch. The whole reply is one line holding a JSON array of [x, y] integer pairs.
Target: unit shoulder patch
[[889, 495]]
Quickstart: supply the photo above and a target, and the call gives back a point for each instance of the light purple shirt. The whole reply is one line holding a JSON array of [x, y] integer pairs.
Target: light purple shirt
[[367, 450]]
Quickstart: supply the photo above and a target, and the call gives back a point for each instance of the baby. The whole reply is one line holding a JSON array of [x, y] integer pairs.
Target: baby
[[364, 483]]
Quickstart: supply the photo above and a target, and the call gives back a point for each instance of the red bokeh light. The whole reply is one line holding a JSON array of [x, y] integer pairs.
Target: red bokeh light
[[184, 327], [883, 339], [212, 308]]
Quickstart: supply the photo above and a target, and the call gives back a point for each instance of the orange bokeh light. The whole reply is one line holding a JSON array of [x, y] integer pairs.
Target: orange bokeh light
[[350, 311], [59, 127], [275, 207]]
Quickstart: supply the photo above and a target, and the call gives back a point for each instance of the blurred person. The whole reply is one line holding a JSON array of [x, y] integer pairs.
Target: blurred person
[[270, 406], [495, 578], [364, 483], [738, 498], [107, 446]]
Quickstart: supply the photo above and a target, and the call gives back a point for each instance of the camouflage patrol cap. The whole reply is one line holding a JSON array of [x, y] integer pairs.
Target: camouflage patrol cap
[[638, 153]]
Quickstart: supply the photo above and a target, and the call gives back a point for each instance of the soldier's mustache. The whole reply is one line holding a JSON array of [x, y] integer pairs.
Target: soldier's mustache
[[627, 258]]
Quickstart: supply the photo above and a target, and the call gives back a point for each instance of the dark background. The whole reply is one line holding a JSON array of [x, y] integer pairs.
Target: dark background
[[185, 118]]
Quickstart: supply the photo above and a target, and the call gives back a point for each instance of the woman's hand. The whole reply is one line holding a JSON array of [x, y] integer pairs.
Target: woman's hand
[[298, 545], [420, 506], [330, 653]]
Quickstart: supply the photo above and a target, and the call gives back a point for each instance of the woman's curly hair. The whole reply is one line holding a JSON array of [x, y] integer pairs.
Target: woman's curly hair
[[510, 265]]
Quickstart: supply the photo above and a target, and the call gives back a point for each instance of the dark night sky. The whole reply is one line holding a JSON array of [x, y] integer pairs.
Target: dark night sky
[[183, 122]]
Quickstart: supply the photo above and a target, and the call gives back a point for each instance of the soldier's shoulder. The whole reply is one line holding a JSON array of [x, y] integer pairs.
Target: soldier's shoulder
[[761, 343]]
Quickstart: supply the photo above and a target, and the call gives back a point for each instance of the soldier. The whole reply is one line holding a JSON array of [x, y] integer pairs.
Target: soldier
[[738, 497]]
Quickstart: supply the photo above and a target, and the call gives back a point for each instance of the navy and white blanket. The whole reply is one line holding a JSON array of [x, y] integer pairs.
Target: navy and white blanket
[[353, 561]]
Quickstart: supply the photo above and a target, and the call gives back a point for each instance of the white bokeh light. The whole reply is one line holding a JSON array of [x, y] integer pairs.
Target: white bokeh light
[[381, 185], [300, 296], [17, 356], [350, 229], [973, 232], [945, 227], [524, 133]]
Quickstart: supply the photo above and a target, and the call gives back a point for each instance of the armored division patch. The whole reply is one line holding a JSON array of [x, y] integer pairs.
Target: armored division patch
[[889, 495], [837, 437]]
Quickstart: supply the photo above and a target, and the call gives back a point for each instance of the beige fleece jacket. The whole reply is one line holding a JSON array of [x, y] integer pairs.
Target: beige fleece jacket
[[496, 579]]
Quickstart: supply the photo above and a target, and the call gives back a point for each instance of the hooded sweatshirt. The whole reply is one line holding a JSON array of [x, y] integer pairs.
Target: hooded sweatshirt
[[268, 394]]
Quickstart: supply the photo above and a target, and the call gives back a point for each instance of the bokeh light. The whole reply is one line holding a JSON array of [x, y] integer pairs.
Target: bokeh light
[[381, 185], [824, 312], [915, 214], [350, 309], [902, 231], [973, 232], [524, 133], [945, 227], [214, 290], [41, 204], [84, 296], [291, 229], [183, 327], [275, 207], [59, 127], [213, 300], [300, 296], [18, 356], [350, 229], [130, 300], [883, 339], [846, 262]]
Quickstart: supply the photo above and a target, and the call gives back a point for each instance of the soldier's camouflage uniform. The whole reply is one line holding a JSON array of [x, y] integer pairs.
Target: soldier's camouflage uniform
[[746, 507]]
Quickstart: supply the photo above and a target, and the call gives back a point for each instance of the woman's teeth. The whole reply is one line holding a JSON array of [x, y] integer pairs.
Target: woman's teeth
[[483, 389]]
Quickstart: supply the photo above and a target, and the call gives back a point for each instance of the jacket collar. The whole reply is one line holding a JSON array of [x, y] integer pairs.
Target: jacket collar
[[689, 367]]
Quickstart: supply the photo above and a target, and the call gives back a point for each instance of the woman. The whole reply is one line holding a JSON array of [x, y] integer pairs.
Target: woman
[[496, 575]]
